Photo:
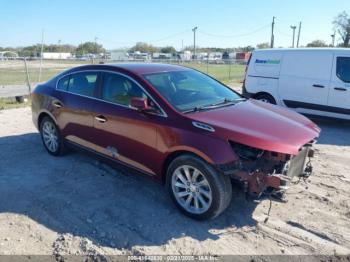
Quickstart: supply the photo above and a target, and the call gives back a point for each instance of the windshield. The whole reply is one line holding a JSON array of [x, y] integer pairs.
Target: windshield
[[191, 90]]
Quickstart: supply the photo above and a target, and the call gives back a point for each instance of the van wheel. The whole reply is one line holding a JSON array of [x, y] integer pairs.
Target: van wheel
[[265, 98], [197, 189]]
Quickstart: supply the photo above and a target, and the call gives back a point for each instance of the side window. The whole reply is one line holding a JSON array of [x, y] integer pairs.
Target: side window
[[63, 83], [119, 89], [343, 69], [83, 83]]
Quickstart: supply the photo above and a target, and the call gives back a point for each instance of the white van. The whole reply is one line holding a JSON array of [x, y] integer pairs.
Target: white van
[[313, 81]]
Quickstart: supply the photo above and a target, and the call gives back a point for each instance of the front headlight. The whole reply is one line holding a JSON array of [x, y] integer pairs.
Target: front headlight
[[246, 152]]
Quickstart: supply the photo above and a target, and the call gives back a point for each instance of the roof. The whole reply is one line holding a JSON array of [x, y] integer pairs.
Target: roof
[[314, 49], [148, 68]]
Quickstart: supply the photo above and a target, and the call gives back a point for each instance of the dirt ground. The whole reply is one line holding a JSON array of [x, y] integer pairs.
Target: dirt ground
[[78, 205]]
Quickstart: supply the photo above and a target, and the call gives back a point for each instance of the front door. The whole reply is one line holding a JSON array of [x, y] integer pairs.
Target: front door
[[122, 132]]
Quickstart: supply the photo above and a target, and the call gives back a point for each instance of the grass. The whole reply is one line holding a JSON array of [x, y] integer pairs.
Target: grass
[[226, 73], [8, 103], [14, 74]]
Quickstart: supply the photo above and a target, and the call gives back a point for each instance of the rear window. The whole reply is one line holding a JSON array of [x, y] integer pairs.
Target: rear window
[[80, 83], [343, 69], [63, 83]]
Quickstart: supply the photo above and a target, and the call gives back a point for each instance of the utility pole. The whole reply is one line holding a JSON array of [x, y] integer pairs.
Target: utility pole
[[59, 48], [272, 33], [96, 38], [333, 38], [299, 34], [293, 28], [41, 55], [194, 41]]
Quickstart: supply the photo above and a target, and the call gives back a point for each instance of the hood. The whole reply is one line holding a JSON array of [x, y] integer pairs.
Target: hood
[[260, 125]]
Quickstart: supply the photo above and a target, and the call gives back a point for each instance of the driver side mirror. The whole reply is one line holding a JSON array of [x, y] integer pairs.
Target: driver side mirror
[[140, 103]]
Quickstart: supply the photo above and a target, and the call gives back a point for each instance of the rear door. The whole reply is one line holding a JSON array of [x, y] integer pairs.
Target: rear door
[[339, 94], [75, 96], [305, 78]]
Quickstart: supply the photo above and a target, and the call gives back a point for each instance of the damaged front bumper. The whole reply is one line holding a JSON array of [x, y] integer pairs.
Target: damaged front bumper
[[271, 172]]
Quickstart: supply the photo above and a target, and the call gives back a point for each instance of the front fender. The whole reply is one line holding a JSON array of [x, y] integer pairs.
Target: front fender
[[210, 148]]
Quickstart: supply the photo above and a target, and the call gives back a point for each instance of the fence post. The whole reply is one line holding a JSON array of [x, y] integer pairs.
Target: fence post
[[229, 70], [208, 64], [27, 75]]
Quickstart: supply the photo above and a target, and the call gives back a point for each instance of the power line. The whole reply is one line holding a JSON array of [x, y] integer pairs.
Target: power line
[[171, 36], [237, 35]]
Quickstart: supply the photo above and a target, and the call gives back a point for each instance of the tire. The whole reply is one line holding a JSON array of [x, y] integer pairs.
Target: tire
[[51, 137], [265, 98], [212, 190]]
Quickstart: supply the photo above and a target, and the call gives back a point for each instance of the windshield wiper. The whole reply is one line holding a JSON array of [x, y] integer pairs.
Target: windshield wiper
[[224, 102], [214, 105], [194, 109]]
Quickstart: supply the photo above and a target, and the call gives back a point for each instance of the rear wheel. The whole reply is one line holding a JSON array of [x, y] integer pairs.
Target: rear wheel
[[265, 98], [51, 136], [197, 189]]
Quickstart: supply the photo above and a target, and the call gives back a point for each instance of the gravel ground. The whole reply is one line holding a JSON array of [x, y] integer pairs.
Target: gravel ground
[[78, 205]]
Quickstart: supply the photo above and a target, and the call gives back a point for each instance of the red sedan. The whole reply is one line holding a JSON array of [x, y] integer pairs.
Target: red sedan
[[180, 127]]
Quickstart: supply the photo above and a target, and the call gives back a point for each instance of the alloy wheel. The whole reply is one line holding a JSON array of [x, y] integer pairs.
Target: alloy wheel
[[191, 189], [50, 136]]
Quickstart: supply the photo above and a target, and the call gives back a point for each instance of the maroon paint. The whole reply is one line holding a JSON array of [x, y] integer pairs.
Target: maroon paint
[[144, 141]]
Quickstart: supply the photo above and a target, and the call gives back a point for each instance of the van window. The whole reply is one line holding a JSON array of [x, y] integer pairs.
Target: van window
[[343, 69], [63, 83], [119, 89], [83, 83]]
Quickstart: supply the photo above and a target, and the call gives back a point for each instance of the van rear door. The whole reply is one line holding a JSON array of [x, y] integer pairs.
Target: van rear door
[[305, 78], [339, 93]]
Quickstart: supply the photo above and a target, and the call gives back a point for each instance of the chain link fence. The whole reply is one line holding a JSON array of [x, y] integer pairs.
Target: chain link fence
[[19, 76]]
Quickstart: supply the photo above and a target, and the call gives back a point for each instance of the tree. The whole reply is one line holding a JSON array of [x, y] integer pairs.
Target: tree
[[245, 49], [143, 48], [168, 49], [263, 45], [89, 48], [317, 43], [342, 26]]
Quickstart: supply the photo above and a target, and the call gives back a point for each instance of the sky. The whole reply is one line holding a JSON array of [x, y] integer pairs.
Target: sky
[[122, 23]]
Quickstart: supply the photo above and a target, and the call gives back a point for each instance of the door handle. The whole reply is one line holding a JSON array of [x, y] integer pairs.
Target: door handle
[[319, 86], [57, 104], [340, 88], [101, 119]]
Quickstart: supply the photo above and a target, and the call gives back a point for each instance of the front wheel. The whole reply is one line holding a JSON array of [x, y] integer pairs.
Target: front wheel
[[197, 189]]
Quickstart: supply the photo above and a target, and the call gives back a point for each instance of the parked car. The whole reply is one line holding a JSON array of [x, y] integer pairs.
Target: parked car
[[313, 81], [177, 125]]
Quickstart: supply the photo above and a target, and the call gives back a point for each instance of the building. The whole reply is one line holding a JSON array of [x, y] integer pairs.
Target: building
[[119, 55], [185, 56], [162, 56], [54, 55]]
